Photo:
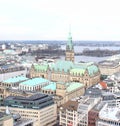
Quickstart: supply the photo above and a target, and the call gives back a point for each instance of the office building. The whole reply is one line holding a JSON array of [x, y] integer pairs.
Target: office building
[[39, 107]]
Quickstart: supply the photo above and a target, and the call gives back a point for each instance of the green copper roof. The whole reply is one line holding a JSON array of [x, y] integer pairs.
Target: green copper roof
[[77, 71], [9, 51], [51, 86], [15, 79], [41, 67], [34, 82], [73, 86], [81, 68], [69, 43], [62, 65], [68, 66], [92, 69]]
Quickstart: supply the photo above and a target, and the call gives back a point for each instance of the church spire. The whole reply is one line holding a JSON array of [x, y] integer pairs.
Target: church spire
[[69, 43], [69, 48]]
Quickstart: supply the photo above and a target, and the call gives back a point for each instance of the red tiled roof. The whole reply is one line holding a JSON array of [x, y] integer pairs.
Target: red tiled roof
[[103, 84]]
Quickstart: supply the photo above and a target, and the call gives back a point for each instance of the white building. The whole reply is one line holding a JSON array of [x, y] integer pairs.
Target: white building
[[112, 99], [109, 116], [85, 105]]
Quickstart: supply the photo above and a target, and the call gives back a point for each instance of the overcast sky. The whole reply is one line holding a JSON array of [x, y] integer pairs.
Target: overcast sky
[[50, 19]]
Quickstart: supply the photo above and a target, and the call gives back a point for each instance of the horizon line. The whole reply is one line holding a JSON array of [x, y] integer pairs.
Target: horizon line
[[62, 40]]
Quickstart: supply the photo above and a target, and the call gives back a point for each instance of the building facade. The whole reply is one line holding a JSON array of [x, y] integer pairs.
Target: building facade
[[39, 107], [68, 114], [67, 71], [84, 107], [68, 91]]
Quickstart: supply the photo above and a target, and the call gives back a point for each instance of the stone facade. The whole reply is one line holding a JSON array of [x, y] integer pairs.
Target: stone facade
[[65, 94], [65, 75], [86, 78], [69, 56], [35, 73]]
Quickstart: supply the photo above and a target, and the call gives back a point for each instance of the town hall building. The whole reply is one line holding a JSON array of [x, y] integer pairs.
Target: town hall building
[[67, 70]]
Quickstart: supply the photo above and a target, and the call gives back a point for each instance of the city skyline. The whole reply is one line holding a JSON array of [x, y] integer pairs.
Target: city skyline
[[50, 20]]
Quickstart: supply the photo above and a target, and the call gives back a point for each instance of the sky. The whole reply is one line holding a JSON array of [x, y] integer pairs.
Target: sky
[[51, 19]]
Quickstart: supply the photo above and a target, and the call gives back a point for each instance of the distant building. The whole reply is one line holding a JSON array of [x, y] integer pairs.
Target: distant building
[[39, 107], [11, 70], [109, 67], [10, 52], [12, 46], [3, 47]]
